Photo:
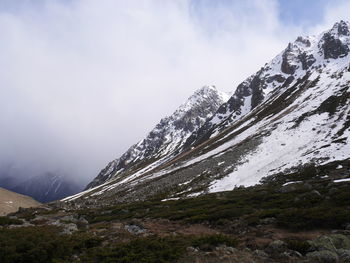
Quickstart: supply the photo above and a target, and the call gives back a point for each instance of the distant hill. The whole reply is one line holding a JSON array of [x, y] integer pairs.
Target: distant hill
[[11, 202], [48, 187]]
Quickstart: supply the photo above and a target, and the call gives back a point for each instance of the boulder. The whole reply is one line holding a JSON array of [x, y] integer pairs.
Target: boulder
[[330, 242], [344, 255], [323, 256], [260, 253], [277, 245], [135, 229], [68, 229]]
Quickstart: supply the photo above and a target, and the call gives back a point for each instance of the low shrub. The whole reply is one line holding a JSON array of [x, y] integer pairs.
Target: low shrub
[[41, 245], [143, 250], [302, 246], [4, 221]]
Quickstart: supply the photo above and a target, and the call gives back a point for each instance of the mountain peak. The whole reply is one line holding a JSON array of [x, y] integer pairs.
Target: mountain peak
[[168, 135], [209, 89], [292, 112], [341, 28]]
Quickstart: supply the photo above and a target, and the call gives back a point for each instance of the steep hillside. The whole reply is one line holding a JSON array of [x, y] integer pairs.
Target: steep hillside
[[169, 135], [10, 202], [303, 56], [291, 113]]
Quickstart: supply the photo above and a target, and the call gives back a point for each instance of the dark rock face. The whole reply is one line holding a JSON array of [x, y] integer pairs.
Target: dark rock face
[[257, 87], [306, 60], [342, 28], [235, 103], [295, 55], [333, 47], [286, 66]]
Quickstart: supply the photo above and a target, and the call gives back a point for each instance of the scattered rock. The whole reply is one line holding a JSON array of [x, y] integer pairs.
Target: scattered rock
[[277, 246], [116, 226], [82, 223], [268, 221], [330, 242], [232, 250], [293, 253], [288, 188], [69, 218], [135, 229], [68, 229], [324, 256], [315, 193], [192, 249], [344, 255], [260, 253]]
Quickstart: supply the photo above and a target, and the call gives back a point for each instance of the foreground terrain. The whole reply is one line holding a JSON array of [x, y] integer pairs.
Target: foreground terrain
[[299, 217]]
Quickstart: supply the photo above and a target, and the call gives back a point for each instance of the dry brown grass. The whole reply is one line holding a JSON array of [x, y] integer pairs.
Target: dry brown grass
[[10, 202]]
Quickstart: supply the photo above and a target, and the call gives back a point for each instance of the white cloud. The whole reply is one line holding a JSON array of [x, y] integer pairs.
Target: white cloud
[[334, 11], [81, 81]]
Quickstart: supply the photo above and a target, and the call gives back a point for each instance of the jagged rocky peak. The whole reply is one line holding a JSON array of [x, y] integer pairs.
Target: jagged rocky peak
[[341, 28], [168, 135], [335, 43], [297, 54], [304, 51], [303, 55], [197, 109]]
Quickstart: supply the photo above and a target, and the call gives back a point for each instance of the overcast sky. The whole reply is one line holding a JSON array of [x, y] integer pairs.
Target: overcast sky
[[83, 80]]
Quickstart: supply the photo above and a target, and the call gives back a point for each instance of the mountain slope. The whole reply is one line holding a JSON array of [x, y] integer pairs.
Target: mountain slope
[[10, 202], [169, 135], [293, 112], [47, 187], [303, 55]]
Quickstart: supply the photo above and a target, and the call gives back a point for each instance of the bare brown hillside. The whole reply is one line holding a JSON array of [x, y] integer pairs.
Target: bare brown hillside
[[11, 202]]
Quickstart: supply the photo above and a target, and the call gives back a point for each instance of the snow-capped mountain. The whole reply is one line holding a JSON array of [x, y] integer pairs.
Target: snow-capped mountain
[[294, 111], [47, 187], [305, 54], [169, 135]]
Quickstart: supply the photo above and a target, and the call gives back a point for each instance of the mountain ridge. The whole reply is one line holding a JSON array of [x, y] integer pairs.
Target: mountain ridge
[[302, 93], [168, 135]]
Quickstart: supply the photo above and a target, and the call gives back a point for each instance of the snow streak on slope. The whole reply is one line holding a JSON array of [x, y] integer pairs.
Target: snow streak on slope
[[304, 54], [318, 138], [168, 135]]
